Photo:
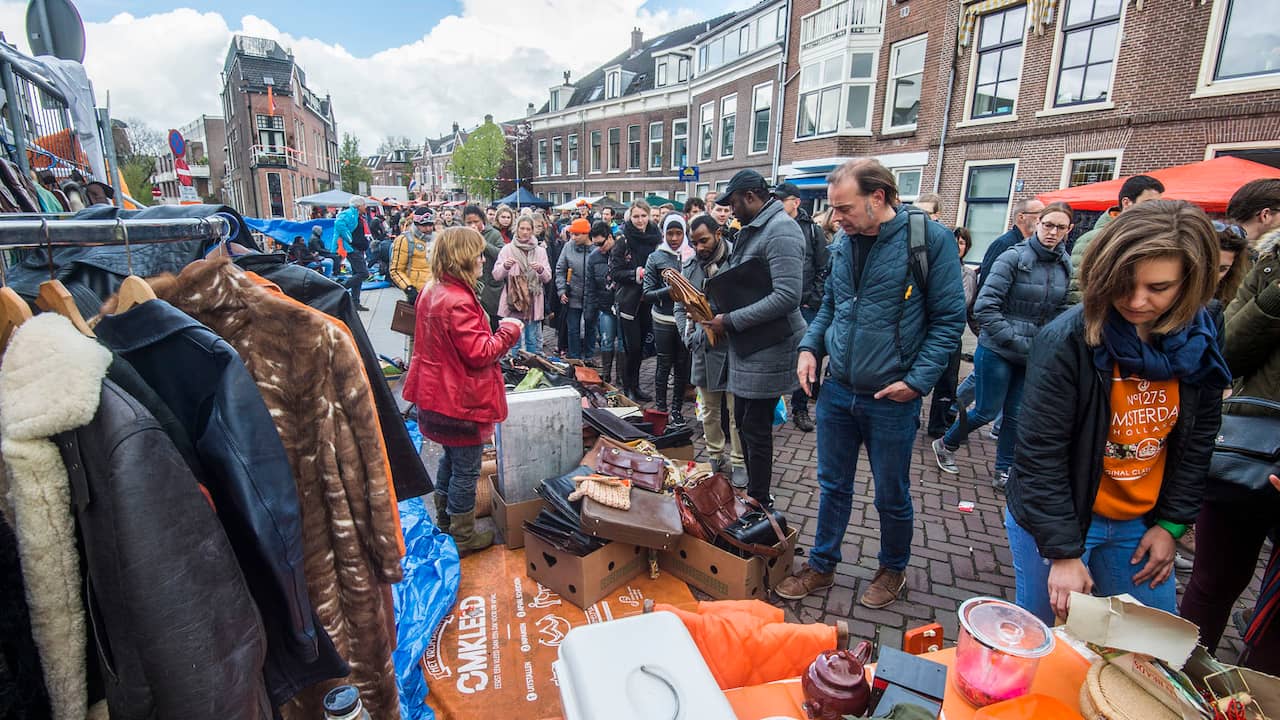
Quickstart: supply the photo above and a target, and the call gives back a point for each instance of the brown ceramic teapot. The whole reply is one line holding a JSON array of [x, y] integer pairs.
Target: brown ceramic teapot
[[835, 684]]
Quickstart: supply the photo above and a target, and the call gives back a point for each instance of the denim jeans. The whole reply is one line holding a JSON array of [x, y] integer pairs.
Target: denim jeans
[[964, 398], [573, 321], [531, 338], [456, 478], [1108, 546], [999, 390], [846, 421], [607, 323]]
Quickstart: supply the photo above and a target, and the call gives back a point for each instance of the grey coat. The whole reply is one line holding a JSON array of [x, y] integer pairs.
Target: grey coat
[[708, 364], [1026, 288], [776, 239], [573, 257]]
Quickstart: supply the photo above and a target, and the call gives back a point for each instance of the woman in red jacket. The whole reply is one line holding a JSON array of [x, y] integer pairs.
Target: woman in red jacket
[[455, 381]]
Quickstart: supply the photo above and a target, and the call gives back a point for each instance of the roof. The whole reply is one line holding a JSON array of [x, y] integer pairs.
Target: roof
[[260, 60], [640, 64]]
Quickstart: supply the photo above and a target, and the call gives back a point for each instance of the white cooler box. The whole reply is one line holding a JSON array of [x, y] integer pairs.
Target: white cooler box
[[541, 438], [600, 675]]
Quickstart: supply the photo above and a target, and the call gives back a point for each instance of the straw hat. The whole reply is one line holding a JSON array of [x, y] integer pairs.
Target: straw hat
[[1109, 694]]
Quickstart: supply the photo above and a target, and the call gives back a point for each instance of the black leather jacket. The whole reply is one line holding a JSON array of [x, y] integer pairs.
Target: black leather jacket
[[174, 628], [203, 382]]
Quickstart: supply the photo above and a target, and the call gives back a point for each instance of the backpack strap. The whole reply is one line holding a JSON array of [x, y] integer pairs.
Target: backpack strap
[[918, 246]]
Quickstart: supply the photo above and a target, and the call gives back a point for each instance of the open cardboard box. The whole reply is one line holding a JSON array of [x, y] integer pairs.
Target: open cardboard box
[[509, 519], [723, 575], [582, 580]]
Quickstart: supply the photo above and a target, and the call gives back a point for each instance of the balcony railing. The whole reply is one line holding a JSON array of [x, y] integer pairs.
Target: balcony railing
[[274, 156], [842, 18]]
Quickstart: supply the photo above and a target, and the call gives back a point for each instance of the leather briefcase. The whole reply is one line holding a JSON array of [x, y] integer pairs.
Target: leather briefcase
[[403, 319], [652, 522], [607, 457]]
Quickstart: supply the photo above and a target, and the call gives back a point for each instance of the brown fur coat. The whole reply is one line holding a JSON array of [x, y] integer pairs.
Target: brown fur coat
[[311, 378]]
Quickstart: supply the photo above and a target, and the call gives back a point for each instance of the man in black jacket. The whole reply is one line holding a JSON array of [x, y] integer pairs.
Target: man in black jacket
[[816, 260]]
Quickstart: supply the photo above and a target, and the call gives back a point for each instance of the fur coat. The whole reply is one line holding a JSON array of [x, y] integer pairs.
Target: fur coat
[[313, 383]]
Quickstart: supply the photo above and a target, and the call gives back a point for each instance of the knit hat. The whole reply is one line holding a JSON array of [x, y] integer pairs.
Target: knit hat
[[581, 226]]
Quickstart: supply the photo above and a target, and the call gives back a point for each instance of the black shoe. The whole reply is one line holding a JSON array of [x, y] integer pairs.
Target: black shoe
[[803, 422], [639, 395], [676, 419], [361, 308]]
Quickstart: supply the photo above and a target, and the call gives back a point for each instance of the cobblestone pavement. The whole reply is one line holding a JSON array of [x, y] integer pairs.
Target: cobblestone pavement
[[954, 556]]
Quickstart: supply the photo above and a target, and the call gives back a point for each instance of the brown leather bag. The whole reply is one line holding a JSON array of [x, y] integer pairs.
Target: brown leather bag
[[652, 521], [709, 506], [609, 457], [403, 319]]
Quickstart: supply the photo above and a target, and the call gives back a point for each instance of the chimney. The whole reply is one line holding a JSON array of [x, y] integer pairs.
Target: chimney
[[566, 77], [530, 110], [455, 128], [637, 39]]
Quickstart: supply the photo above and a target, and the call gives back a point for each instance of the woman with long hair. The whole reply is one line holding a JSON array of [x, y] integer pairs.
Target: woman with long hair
[[454, 378], [1119, 415], [504, 219], [626, 267], [1233, 261], [523, 268]]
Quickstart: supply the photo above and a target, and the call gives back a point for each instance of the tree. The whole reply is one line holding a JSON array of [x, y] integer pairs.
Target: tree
[[137, 157], [144, 140], [394, 142], [138, 171], [351, 165], [476, 164]]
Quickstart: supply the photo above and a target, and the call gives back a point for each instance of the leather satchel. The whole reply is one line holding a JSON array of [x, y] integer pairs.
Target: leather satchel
[[403, 318], [1247, 450], [712, 511], [652, 522], [607, 457]]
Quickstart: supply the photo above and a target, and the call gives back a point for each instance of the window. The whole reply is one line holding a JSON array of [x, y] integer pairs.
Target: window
[[715, 55], [595, 151], [633, 147], [573, 154], [682, 72], [615, 149], [1083, 169], [555, 100], [908, 179], [721, 186], [276, 194], [1250, 44], [613, 84], [761, 102], [819, 111], [706, 130], [857, 114], [542, 157], [1090, 29], [557, 156], [999, 61], [655, 146], [906, 74], [986, 202], [271, 134], [679, 143], [744, 40], [661, 74], [728, 124], [701, 190]]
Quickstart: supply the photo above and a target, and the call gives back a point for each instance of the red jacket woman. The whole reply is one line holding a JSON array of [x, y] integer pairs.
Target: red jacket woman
[[454, 378]]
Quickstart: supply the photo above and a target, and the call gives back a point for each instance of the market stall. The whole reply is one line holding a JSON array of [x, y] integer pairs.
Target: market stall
[[1208, 184]]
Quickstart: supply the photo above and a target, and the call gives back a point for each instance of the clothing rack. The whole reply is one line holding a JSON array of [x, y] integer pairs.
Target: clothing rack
[[24, 231]]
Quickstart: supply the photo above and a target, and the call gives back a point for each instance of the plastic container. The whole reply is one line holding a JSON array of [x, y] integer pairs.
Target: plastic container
[[999, 650], [343, 703]]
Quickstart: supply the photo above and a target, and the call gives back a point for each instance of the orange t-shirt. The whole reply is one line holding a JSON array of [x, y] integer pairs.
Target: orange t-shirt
[[1143, 412]]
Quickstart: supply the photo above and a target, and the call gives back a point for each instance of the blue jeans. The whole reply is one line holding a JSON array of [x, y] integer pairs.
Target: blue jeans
[[530, 338], [845, 422], [457, 475], [999, 389], [608, 325], [965, 395], [1107, 549], [573, 316]]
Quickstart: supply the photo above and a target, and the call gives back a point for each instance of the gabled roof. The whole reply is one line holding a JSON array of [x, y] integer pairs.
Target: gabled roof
[[260, 60]]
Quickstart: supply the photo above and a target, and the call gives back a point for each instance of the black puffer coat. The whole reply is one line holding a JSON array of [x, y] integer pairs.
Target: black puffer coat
[[631, 251], [1026, 288]]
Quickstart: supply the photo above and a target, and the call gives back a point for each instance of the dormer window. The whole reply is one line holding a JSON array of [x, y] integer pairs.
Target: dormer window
[[613, 84], [555, 100], [661, 74]]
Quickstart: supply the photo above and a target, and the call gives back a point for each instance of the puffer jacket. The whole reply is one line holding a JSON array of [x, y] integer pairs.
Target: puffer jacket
[[656, 292], [875, 331], [1066, 408], [1026, 288], [410, 265], [600, 286], [574, 284], [1252, 338]]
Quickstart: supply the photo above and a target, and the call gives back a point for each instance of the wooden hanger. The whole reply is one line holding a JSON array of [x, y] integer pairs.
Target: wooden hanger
[[54, 296], [133, 290], [13, 312]]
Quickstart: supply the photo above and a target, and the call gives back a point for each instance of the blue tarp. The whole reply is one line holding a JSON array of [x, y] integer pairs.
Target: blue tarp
[[523, 197], [286, 230], [432, 573]]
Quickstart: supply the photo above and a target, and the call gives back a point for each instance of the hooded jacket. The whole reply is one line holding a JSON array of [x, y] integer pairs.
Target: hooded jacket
[[490, 287], [410, 265], [816, 260], [600, 288], [1252, 338], [656, 292], [175, 630], [1027, 287]]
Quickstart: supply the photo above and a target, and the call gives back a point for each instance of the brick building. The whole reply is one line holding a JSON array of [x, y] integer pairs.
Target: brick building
[[206, 139], [992, 102], [391, 168], [281, 139], [432, 177]]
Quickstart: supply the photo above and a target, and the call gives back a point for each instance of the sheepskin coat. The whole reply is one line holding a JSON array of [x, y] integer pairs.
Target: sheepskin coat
[[314, 385]]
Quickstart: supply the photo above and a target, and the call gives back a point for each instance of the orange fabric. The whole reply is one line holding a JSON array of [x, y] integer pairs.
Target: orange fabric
[[391, 486], [1208, 184], [1143, 412], [747, 642]]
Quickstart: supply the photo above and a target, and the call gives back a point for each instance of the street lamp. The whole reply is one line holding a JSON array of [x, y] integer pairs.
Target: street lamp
[[522, 132]]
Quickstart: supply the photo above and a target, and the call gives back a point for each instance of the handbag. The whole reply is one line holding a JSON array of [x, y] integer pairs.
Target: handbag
[[614, 492], [607, 457], [403, 318], [712, 511], [1247, 449]]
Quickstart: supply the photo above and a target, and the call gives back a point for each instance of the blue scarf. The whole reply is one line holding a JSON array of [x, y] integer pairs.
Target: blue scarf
[[1190, 354]]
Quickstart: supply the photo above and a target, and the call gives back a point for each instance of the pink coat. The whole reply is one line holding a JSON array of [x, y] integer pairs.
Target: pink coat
[[500, 274]]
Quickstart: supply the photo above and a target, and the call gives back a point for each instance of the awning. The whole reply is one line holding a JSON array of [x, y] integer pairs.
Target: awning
[[581, 199], [1208, 184]]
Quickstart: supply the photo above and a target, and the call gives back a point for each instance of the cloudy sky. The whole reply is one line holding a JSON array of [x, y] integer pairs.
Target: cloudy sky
[[393, 67]]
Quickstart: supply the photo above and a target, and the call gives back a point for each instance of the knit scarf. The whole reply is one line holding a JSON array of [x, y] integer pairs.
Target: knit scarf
[[1191, 354], [524, 289], [712, 266]]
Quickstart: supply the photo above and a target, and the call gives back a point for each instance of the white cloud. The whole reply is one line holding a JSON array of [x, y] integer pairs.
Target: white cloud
[[495, 56]]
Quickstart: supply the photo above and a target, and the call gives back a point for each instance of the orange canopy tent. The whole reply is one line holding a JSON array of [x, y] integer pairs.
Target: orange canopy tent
[[1208, 184]]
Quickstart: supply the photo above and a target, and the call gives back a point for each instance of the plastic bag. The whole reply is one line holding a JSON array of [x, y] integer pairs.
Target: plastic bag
[[780, 413]]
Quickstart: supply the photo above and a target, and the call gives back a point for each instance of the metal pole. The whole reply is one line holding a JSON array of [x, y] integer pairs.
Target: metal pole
[[42, 14], [109, 145], [517, 171], [17, 120]]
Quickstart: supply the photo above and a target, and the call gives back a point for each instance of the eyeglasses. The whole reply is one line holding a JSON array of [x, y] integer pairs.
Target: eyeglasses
[[1234, 231], [1055, 227]]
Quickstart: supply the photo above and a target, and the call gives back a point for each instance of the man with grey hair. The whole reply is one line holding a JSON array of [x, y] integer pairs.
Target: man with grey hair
[[1025, 216], [352, 228], [891, 316]]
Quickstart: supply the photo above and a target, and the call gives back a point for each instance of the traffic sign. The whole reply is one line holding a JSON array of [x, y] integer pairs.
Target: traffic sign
[[177, 144], [155, 192], [689, 173]]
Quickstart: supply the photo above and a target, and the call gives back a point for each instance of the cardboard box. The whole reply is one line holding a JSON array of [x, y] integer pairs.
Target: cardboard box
[[509, 518], [723, 575], [680, 452], [582, 580]]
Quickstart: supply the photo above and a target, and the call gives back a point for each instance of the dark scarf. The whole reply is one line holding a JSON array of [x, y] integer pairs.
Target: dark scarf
[[1190, 354], [712, 266]]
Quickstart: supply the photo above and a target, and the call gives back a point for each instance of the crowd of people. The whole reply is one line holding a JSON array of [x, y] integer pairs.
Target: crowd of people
[[1101, 365]]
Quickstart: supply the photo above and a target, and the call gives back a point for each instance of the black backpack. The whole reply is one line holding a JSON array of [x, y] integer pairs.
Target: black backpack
[[918, 246]]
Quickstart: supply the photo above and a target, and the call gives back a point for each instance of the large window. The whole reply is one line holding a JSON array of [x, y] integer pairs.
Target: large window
[[655, 146], [906, 75], [573, 154], [613, 84], [986, 203], [595, 151], [275, 194], [819, 111], [542, 157], [679, 143], [999, 58], [761, 102], [1250, 40], [1087, 169], [857, 114], [728, 124], [271, 134], [660, 77], [1090, 30], [615, 149], [706, 130], [557, 156], [633, 147], [682, 67]]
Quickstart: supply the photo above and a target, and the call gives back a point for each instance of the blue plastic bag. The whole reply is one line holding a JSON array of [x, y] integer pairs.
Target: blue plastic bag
[[780, 413]]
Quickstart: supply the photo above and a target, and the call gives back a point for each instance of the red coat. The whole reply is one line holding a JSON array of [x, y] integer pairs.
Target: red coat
[[454, 370]]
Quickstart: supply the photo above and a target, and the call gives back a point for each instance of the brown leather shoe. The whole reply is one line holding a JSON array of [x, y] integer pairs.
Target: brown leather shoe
[[884, 589], [803, 583]]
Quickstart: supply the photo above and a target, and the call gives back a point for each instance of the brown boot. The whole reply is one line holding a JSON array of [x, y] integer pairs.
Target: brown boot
[[463, 529], [442, 511], [803, 583], [884, 589]]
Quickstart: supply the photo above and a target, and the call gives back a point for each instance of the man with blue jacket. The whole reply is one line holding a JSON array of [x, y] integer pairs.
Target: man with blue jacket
[[888, 342], [352, 229]]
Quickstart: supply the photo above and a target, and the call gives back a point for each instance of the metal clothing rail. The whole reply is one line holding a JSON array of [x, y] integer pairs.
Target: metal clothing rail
[[29, 233]]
